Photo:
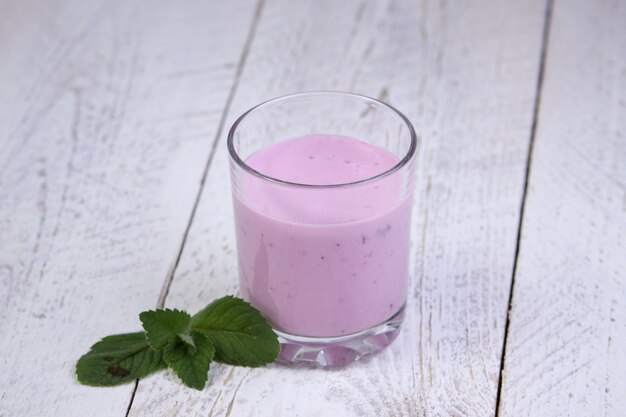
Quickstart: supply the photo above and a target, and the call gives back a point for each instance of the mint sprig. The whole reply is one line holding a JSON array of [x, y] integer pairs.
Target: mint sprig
[[228, 330]]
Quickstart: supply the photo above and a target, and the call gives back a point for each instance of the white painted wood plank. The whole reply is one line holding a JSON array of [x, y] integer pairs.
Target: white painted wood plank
[[108, 111], [465, 73], [566, 350]]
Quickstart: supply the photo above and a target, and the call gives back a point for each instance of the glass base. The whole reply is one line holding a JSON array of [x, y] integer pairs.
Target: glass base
[[336, 352]]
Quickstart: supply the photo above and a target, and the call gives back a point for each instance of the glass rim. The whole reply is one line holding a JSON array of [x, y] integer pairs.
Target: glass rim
[[401, 163]]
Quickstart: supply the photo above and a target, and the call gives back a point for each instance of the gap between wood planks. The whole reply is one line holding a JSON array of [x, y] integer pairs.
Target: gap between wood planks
[[545, 39], [242, 62]]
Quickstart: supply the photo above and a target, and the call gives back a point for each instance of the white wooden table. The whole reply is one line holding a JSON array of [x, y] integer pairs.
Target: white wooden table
[[114, 196]]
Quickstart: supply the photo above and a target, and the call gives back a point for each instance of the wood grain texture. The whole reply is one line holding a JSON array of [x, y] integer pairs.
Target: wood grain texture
[[107, 114], [465, 74], [566, 350]]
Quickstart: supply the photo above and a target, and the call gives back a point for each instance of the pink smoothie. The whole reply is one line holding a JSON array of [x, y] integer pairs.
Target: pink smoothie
[[323, 261]]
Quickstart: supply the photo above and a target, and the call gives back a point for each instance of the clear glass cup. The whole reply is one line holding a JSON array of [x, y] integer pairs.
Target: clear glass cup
[[325, 262]]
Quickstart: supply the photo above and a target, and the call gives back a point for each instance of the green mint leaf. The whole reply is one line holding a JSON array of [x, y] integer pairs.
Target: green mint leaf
[[187, 339], [117, 359], [240, 334], [191, 367], [163, 326]]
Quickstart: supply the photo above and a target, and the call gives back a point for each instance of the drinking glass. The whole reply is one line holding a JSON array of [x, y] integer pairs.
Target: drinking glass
[[326, 263]]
